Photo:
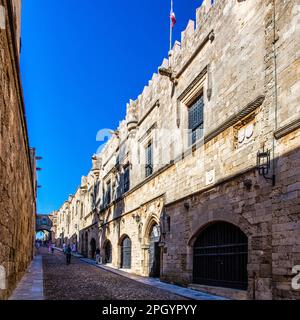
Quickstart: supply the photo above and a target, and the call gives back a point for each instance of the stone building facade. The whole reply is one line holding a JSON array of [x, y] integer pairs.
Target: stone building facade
[[200, 184], [17, 161]]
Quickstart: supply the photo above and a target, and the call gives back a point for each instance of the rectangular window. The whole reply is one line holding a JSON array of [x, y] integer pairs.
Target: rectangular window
[[196, 120], [108, 192], [149, 160], [81, 211], [126, 182]]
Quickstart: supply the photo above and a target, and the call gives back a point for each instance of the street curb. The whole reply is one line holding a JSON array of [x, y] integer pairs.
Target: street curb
[[187, 296]]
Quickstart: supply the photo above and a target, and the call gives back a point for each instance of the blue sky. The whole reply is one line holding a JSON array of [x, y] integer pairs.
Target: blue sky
[[81, 62]]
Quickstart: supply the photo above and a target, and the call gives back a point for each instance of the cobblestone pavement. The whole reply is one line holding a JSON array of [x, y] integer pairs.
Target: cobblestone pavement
[[80, 281]]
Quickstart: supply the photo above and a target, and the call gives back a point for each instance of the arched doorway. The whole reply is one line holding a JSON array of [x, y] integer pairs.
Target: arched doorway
[[107, 252], [126, 253], [93, 248], [81, 244], [221, 257], [86, 244], [154, 252]]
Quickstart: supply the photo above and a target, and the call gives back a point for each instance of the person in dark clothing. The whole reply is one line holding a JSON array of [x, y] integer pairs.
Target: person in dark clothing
[[98, 256], [68, 254]]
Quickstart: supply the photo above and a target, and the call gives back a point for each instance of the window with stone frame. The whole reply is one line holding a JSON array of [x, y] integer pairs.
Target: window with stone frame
[[149, 159], [114, 190], [81, 211], [108, 193], [126, 179], [196, 119], [92, 201]]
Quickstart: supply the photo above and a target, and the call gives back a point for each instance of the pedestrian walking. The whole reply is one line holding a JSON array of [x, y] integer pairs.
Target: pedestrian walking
[[74, 249], [68, 254], [64, 248], [52, 248], [98, 256]]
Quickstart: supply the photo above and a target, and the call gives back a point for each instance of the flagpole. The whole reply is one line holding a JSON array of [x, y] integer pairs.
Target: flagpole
[[171, 29]]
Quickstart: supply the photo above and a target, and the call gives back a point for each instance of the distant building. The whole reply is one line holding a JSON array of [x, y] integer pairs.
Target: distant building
[[17, 176], [200, 184]]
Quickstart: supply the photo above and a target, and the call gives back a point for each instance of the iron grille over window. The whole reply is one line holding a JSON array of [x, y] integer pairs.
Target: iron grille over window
[[149, 160], [196, 120], [221, 257], [126, 179]]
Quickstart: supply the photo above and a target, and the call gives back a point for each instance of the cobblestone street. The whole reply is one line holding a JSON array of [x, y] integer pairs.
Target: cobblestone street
[[80, 281]]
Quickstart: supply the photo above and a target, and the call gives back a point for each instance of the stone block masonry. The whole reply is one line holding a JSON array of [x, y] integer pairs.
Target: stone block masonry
[[17, 180], [206, 218]]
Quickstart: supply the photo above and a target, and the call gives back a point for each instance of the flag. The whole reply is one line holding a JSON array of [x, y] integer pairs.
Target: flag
[[173, 19]]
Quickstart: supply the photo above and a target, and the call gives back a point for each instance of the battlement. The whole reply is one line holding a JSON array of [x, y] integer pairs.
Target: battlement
[[197, 32]]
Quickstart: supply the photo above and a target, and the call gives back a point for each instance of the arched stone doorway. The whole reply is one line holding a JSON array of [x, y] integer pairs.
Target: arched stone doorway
[[107, 252], [220, 257], [86, 244], [81, 244], [93, 248], [126, 253], [154, 252]]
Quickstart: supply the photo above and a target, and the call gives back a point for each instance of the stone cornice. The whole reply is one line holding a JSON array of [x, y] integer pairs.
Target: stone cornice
[[230, 122], [193, 84], [250, 107], [156, 104], [135, 209], [213, 186], [147, 133], [285, 130]]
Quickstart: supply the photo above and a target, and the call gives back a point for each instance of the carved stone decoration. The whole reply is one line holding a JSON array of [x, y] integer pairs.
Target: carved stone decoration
[[210, 177], [241, 135], [84, 185], [132, 118], [245, 133], [253, 105], [96, 165], [249, 131]]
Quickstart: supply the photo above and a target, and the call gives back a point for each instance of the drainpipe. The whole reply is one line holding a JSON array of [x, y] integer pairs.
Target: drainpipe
[[275, 39]]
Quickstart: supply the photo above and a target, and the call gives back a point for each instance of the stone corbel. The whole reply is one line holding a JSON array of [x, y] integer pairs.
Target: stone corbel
[[170, 73], [83, 190], [211, 36]]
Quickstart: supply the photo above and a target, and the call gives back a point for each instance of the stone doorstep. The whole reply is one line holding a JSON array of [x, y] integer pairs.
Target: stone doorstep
[[154, 282]]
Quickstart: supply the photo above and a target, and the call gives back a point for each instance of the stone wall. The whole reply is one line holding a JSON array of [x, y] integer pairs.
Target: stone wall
[[243, 57], [17, 194]]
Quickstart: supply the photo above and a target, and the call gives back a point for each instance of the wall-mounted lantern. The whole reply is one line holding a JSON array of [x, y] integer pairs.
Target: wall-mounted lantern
[[264, 165], [187, 205]]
